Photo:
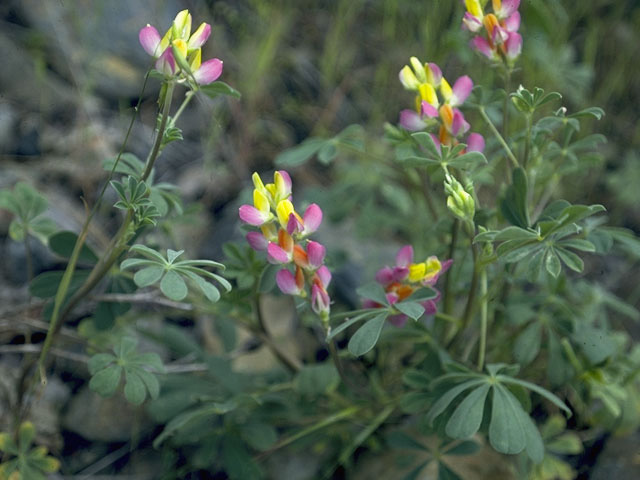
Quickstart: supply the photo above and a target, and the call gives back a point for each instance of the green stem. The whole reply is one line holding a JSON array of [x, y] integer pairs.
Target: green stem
[[500, 138], [105, 263], [527, 143], [448, 285], [187, 98], [331, 419], [483, 319], [505, 106], [468, 310], [153, 154]]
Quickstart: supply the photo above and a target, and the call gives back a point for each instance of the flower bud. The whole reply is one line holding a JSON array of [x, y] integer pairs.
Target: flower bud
[[459, 201]]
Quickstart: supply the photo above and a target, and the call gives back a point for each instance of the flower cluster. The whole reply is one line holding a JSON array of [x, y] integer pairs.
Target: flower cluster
[[501, 40], [284, 236], [401, 280], [426, 80], [178, 53]]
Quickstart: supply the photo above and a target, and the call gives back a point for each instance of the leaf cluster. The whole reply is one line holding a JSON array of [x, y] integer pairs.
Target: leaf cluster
[[107, 369], [174, 275]]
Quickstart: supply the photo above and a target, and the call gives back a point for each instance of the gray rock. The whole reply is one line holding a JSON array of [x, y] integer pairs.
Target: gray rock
[[101, 419]]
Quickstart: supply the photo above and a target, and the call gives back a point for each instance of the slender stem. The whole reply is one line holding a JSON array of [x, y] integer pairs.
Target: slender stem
[[151, 159], [466, 316], [468, 310], [331, 419], [500, 138], [527, 143], [292, 364], [333, 351], [483, 319], [187, 98], [105, 263], [448, 286], [505, 106], [426, 190]]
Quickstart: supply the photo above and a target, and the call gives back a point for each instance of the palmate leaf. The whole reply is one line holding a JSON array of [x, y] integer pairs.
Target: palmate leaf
[[107, 369], [174, 276], [511, 430]]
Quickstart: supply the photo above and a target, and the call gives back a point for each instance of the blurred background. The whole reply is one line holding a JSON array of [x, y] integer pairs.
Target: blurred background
[[72, 71]]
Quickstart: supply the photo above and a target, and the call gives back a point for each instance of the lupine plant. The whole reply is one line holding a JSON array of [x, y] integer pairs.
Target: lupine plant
[[484, 337]]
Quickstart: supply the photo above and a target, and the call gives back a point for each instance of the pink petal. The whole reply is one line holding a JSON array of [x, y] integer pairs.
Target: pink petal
[[404, 256], [475, 143], [391, 298], [150, 40], [166, 64], [461, 90], [430, 307], [400, 273], [399, 320], [471, 22], [513, 45], [320, 300], [367, 303], [459, 125], [275, 254], [315, 253], [287, 282], [287, 180], [482, 45], [499, 35], [508, 8], [251, 215], [384, 276], [512, 23], [294, 225], [428, 110], [436, 141], [410, 120], [257, 241], [199, 37], [312, 218], [434, 74], [208, 72], [324, 275]]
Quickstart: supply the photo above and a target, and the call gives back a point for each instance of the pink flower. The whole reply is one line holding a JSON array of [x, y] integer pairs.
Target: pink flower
[[208, 72], [412, 121], [315, 254], [461, 90], [166, 64], [512, 24], [320, 301], [505, 8], [288, 283], [150, 40], [475, 143], [481, 45], [312, 219], [199, 37], [471, 22], [257, 241], [513, 45]]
